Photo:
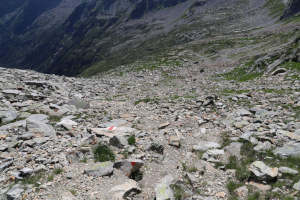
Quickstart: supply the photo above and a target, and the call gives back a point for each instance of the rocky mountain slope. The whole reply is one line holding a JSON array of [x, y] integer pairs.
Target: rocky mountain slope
[[189, 132], [198, 100], [85, 37]]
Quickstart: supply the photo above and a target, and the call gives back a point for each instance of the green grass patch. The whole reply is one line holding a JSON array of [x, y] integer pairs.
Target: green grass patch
[[50, 177], [240, 74], [276, 7], [231, 186], [131, 140], [54, 118], [137, 176], [33, 180], [254, 196], [58, 171], [146, 100], [292, 65], [189, 169], [84, 159], [103, 153], [269, 158], [294, 109], [179, 193], [73, 192]]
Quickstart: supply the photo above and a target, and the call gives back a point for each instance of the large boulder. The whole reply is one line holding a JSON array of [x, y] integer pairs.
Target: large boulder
[[79, 103], [126, 190], [263, 172], [37, 124], [129, 166], [163, 190], [8, 116], [100, 169], [15, 193], [205, 145], [290, 150]]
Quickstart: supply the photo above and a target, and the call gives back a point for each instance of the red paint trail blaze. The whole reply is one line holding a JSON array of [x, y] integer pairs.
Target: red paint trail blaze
[[133, 163], [111, 128]]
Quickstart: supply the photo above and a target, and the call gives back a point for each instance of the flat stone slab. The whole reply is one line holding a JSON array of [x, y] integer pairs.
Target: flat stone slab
[[263, 172], [113, 131], [292, 150], [163, 190], [290, 135], [297, 186], [130, 188], [129, 166], [100, 169], [206, 145], [13, 125], [5, 165]]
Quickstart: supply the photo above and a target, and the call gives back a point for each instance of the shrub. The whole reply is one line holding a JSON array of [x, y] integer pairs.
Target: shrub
[[131, 140], [103, 153]]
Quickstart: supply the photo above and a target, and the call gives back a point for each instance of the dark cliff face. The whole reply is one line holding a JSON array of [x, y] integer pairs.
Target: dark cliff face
[[293, 7], [29, 38], [145, 6]]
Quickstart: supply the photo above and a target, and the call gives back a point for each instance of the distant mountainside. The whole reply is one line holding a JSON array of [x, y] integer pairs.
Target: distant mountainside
[[69, 37]]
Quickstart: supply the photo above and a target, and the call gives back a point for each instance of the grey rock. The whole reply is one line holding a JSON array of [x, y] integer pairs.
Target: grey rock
[[37, 124], [126, 190], [263, 172], [21, 123], [158, 148], [174, 141], [291, 150], [278, 71], [26, 171], [79, 103], [246, 136], [74, 157], [263, 146], [3, 147], [15, 193], [243, 112], [288, 134], [215, 152], [25, 136], [8, 116], [40, 141], [67, 123], [205, 145], [11, 92], [164, 125], [163, 190], [40, 168], [241, 192], [5, 165], [118, 141], [297, 186], [234, 149], [208, 102], [69, 176], [114, 123], [191, 178], [287, 170], [100, 169], [129, 166]]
